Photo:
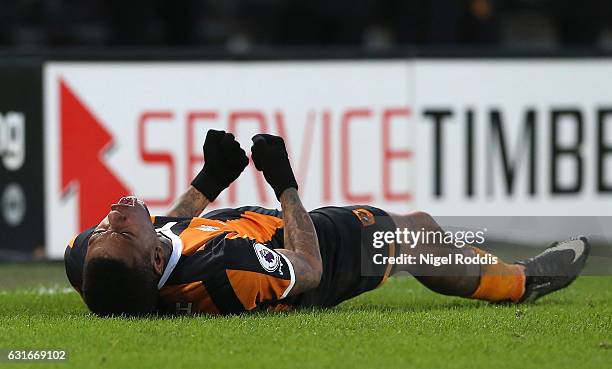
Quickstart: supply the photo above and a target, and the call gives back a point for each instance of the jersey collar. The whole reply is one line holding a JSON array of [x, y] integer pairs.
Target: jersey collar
[[177, 249]]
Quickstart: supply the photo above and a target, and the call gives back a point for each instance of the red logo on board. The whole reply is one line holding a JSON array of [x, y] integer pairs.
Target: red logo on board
[[83, 141]]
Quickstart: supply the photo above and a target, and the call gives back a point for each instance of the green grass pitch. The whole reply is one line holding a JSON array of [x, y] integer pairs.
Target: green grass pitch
[[401, 325]]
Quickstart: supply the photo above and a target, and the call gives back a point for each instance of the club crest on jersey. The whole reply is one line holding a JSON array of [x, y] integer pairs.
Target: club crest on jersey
[[268, 259], [365, 217]]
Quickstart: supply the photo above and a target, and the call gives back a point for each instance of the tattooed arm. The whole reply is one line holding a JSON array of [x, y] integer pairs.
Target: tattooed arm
[[190, 204], [301, 243], [270, 156]]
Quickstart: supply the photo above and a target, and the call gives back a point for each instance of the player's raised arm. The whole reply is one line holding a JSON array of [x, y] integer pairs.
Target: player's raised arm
[[300, 237], [190, 204], [224, 160]]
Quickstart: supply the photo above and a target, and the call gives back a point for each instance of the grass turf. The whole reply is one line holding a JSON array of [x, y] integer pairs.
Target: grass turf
[[398, 326]]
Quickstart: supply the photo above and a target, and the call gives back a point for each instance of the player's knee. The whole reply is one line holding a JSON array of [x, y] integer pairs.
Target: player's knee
[[419, 214], [424, 220]]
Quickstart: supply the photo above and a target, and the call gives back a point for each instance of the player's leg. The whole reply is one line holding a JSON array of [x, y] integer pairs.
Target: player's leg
[[453, 279], [456, 279], [555, 268]]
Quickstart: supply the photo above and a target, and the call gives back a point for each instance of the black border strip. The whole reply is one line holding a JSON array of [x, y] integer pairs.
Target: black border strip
[[263, 53]]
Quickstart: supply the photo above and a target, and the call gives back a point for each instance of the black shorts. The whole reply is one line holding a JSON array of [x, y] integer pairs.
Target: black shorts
[[348, 269]]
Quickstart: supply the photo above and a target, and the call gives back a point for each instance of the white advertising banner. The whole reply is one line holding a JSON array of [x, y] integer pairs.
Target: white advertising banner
[[461, 137], [514, 137], [137, 128]]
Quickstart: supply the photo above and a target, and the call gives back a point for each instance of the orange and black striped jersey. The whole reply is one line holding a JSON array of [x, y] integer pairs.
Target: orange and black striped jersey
[[224, 263]]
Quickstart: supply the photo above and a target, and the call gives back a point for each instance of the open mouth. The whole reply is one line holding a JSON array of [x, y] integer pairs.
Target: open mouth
[[132, 201], [128, 200]]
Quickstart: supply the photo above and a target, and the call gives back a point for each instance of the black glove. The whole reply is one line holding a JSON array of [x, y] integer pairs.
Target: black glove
[[271, 158], [224, 160]]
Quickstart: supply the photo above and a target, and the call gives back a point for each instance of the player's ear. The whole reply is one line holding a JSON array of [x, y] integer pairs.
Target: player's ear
[[158, 260]]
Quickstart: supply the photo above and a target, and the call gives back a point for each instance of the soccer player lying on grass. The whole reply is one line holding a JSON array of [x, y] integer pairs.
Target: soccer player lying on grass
[[251, 258]]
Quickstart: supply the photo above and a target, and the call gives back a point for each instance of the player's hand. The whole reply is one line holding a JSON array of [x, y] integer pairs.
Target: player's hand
[[270, 157], [224, 160]]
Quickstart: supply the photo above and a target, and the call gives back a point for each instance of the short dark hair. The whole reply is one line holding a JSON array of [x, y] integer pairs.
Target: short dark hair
[[112, 288]]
